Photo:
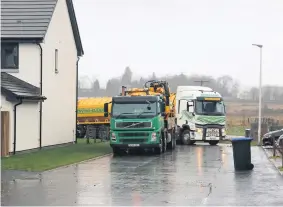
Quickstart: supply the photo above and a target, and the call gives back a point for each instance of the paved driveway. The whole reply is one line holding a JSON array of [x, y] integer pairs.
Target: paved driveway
[[191, 175]]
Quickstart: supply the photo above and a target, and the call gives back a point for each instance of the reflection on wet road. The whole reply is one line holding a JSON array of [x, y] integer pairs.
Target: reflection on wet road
[[191, 175]]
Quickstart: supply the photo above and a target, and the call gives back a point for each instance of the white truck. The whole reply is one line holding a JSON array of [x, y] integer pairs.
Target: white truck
[[200, 115]]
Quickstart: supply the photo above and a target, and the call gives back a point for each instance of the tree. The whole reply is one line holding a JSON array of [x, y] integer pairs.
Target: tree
[[225, 83], [95, 89], [109, 87], [153, 76], [276, 93], [254, 93], [127, 76], [113, 87], [267, 93], [235, 89]]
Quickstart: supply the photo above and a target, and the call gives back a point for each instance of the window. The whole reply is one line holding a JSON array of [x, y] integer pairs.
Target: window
[[56, 61], [9, 56], [130, 110], [210, 107]]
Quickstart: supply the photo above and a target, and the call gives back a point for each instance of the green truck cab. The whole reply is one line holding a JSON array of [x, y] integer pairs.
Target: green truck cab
[[137, 122]]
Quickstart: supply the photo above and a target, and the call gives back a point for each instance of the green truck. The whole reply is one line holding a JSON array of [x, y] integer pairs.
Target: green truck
[[142, 119]]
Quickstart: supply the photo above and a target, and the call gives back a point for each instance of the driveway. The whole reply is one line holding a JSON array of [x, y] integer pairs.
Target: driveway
[[191, 175]]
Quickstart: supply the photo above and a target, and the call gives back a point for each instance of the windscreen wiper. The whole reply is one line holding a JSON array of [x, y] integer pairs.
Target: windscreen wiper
[[122, 114], [144, 112], [145, 109]]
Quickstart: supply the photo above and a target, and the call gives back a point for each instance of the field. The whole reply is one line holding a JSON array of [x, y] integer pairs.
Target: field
[[242, 114]]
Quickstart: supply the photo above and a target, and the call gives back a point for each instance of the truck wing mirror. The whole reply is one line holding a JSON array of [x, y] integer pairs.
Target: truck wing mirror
[[106, 110], [190, 107], [190, 103], [162, 106]]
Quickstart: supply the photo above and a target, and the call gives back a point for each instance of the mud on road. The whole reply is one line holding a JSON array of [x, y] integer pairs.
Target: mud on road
[[191, 175]]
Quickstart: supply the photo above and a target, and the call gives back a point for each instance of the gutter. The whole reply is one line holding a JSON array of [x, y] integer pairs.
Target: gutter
[[77, 94], [15, 125], [40, 103]]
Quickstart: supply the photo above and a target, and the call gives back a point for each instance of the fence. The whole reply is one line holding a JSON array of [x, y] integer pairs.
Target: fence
[[246, 120], [278, 148], [97, 132]]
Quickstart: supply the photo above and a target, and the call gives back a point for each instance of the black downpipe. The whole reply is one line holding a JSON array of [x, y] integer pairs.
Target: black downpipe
[[77, 94], [15, 125], [40, 103]]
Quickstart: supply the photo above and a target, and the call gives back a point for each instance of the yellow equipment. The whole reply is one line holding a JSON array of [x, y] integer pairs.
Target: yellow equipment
[[157, 88], [90, 110]]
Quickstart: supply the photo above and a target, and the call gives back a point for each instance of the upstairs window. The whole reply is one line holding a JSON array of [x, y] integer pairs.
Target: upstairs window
[[56, 61], [9, 56]]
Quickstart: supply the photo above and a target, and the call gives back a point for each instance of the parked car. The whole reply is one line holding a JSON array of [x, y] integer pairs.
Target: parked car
[[280, 140], [270, 136]]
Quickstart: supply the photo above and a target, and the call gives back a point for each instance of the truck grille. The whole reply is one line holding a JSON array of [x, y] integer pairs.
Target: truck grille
[[133, 125], [134, 134], [133, 141]]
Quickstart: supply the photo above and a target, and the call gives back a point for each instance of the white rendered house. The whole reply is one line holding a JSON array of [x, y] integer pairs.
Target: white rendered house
[[40, 50]]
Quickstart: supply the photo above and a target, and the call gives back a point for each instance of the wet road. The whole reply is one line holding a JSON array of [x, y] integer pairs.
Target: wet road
[[191, 175]]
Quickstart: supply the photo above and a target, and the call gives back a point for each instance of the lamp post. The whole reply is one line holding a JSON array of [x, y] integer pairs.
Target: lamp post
[[260, 93]]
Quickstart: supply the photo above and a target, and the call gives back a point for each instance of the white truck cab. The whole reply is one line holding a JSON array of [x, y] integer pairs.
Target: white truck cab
[[200, 115]]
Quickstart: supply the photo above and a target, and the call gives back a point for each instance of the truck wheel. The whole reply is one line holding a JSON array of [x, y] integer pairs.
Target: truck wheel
[[172, 144], [179, 142], [164, 138], [117, 151], [159, 150], [192, 142], [185, 139], [213, 142]]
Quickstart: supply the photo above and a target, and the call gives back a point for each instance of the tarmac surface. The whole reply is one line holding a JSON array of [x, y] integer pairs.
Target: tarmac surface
[[190, 175]]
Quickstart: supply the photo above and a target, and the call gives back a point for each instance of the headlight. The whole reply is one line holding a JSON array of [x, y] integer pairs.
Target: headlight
[[223, 131], [153, 137], [113, 136], [199, 130]]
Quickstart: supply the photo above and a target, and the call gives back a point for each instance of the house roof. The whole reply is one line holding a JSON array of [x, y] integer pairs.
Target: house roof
[[28, 20], [16, 88]]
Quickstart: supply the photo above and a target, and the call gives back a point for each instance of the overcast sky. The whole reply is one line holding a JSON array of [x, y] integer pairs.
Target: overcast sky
[[212, 37]]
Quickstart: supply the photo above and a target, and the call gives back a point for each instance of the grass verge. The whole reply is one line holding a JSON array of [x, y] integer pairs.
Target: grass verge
[[253, 143], [274, 157], [47, 159], [280, 168], [236, 130]]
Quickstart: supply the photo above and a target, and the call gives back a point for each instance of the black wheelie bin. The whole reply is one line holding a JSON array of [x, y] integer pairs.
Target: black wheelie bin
[[242, 153]]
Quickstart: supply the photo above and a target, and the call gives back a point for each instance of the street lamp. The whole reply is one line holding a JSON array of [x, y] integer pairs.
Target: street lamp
[[260, 93]]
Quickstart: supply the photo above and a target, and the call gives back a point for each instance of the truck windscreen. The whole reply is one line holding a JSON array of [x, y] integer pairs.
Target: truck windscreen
[[132, 110], [210, 108]]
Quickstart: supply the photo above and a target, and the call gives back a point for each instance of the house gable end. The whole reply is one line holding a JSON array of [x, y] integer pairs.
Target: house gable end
[[75, 27]]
